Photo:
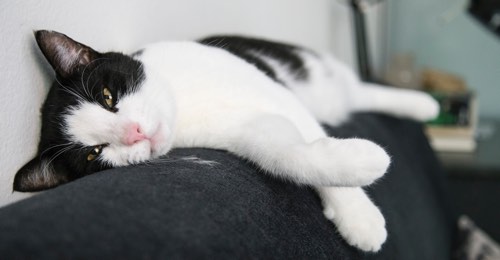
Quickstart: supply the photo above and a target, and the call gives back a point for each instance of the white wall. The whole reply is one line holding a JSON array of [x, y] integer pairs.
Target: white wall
[[126, 25]]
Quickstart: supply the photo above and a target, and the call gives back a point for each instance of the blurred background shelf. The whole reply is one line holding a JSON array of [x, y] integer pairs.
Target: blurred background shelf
[[484, 162]]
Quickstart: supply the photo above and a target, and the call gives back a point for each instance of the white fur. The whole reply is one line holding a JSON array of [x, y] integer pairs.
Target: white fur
[[357, 219], [199, 96]]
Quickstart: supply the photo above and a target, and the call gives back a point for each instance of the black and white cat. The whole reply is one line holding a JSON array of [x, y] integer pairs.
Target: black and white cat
[[260, 100]]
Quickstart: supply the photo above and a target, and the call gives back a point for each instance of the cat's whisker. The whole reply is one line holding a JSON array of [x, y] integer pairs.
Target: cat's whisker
[[122, 72], [65, 88], [52, 147], [92, 72], [69, 91], [97, 93], [57, 154], [49, 162], [74, 93], [140, 77], [217, 42], [81, 78], [82, 148], [140, 68]]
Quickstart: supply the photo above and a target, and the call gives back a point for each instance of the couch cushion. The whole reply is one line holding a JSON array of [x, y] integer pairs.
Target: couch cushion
[[186, 208]]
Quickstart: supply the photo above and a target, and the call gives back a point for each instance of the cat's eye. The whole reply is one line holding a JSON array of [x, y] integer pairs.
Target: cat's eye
[[108, 97], [96, 151]]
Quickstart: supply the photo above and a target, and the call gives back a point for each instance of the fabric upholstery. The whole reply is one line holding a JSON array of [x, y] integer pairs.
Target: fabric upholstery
[[178, 209]]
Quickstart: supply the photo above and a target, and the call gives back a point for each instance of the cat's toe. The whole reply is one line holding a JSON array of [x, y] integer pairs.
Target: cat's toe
[[363, 160], [346, 162], [362, 226], [426, 108], [368, 235], [138, 153]]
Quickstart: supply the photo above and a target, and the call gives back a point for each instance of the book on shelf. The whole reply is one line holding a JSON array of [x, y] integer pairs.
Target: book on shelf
[[454, 130]]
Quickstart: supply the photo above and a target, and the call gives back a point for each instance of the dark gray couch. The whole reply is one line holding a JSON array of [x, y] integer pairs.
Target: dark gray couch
[[180, 209]]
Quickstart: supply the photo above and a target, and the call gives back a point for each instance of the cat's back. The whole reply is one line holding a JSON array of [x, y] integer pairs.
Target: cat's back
[[192, 63], [237, 57], [199, 73]]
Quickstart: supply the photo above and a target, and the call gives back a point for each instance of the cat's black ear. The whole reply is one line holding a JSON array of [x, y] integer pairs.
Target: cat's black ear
[[63, 53], [39, 174]]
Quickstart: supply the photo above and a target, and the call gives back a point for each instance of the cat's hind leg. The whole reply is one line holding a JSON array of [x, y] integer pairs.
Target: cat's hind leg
[[278, 146], [357, 219], [407, 103]]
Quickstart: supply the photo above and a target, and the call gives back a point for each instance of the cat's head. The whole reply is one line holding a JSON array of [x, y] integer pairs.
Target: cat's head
[[103, 110]]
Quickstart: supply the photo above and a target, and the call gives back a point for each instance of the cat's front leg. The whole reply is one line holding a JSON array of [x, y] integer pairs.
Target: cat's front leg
[[278, 146], [357, 219]]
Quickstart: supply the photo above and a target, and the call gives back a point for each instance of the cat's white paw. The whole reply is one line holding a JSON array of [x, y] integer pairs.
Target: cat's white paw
[[360, 223], [138, 153], [358, 162], [425, 107]]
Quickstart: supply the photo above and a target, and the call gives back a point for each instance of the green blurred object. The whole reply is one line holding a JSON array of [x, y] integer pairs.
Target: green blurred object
[[455, 109]]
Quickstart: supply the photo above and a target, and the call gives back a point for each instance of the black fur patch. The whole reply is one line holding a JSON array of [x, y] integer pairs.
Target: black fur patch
[[119, 73], [246, 48]]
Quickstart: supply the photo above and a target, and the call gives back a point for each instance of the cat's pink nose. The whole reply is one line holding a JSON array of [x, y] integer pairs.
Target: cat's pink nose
[[133, 134]]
